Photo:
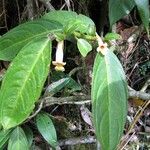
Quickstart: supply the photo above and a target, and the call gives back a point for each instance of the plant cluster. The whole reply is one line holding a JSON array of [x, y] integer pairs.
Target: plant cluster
[[29, 48]]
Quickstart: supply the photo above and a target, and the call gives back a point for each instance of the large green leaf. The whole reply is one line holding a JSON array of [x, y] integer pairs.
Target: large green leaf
[[109, 98], [118, 9], [15, 39], [68, 18], [23, 82], [4, 136], [18, 140], [143, 8], [46, 128]]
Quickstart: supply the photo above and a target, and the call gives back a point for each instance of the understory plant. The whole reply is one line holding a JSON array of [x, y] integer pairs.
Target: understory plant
[[28, 47]]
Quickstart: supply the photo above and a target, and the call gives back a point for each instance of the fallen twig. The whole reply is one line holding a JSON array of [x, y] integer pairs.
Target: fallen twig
[[138, 94], [79, 100], [37, 111], [80, 140], [82, 99], [147, 83]]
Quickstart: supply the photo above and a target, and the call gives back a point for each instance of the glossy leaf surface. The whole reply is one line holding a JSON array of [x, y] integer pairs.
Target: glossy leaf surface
[[109, 99], [4, 136], [118, 9], [72, 85], [15, 39], [18, 140], [46, 128], [143, 8], [23, 82], [56, 86], [84, 47], [68, 18]]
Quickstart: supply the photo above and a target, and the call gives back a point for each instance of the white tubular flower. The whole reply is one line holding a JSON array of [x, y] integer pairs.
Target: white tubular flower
[[59, 64], [102, 47]]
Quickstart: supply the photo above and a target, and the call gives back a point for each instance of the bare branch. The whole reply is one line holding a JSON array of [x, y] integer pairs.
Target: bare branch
[[68, 4], [147, 83], [5, 15], [86, 99], [78, 100], [81, 99], [37, 111], [138, 94], [30, 9], [80, 140], [47, 4]]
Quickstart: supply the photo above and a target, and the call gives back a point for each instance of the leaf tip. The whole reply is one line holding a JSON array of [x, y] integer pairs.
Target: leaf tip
[[7, 123]]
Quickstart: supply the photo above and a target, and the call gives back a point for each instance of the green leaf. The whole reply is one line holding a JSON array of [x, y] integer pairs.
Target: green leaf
[[112, 36], [61, 16], [143, 8], [57, 75], [4, 136], [29, 135], [12, 42], [46, 128], [72, 85], [18, 140], [23, 82], [56, 86], [60, 36], [84, 47], [69, 18], [118, 9], [71, 27], [109, 99], [92, 30]]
